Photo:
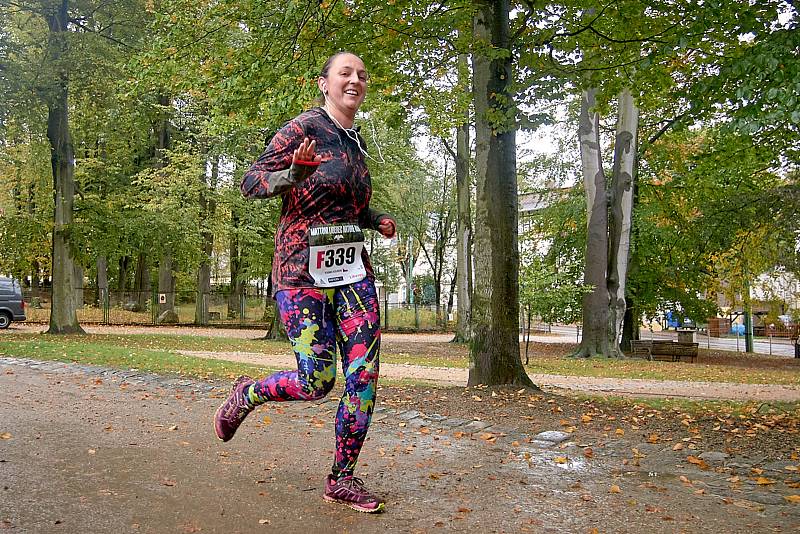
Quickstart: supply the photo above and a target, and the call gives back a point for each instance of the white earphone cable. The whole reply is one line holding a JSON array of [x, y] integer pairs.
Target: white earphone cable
[[353, 134]]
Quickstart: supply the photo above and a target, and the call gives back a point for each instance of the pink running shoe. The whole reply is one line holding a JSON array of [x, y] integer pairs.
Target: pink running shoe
[[232, 412], [351, 491]]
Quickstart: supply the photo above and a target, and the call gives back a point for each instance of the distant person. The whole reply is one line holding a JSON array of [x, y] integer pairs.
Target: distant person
[[322, 278]]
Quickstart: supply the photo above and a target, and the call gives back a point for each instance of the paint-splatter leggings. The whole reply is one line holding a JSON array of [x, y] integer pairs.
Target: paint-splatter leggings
[[316, 320]]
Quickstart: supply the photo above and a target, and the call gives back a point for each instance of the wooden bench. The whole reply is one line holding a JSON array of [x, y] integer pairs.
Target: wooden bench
[[669, 351], [642, 349]]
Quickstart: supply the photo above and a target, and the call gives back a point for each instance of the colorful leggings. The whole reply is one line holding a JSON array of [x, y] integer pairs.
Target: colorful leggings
[[316, 320]]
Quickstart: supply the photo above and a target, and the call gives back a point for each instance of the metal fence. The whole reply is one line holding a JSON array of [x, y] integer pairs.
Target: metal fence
[[251, 309]]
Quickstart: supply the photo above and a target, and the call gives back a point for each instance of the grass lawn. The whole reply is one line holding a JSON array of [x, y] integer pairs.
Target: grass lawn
[[159, 353]]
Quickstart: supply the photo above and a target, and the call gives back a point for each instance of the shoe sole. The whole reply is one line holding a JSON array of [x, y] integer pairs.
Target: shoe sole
[[219, 409], [216, 430], [355, 506]]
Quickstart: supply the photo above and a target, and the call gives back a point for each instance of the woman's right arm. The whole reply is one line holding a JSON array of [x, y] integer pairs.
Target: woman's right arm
[[277, 170]]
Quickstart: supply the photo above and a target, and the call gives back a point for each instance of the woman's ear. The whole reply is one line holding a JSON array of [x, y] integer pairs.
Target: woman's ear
[[323, 86]]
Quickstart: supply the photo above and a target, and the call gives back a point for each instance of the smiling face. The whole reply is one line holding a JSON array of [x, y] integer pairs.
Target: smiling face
[[345, 84]]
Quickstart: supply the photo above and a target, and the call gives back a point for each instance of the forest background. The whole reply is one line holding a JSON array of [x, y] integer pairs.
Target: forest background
[[125, 127]]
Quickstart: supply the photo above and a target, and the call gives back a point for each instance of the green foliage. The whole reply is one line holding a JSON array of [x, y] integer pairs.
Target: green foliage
[[551, 257]]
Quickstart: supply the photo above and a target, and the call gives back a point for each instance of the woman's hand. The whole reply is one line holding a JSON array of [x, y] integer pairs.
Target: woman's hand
[[306, 152], [387, 228]]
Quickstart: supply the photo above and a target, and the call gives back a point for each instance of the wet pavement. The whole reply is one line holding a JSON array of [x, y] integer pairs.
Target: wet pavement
[[88, 449]]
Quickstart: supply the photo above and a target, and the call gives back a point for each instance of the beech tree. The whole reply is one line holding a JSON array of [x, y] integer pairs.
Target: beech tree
[[494, 354]]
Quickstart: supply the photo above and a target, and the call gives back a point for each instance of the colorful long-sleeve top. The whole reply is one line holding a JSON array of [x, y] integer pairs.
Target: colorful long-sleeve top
[[337, 191]]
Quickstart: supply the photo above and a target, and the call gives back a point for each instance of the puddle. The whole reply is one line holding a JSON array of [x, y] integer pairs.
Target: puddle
[[536, 459]]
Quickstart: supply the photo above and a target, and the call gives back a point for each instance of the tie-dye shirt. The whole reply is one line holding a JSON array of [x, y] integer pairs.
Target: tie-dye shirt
[[335, 192]]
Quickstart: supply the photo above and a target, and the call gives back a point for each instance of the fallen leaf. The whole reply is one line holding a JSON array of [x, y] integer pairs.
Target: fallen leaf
[[792, 468], [619, 432], [464, 510], [764, 481], [560, 459], [614, 489], [588, 452], [697, 461], [263, 521], [653, 438], [794, 499], [6, 435], [266, 420], [677, 447], [586, 419]]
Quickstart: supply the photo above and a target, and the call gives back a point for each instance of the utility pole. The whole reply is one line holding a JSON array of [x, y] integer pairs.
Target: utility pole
[[748, 313]]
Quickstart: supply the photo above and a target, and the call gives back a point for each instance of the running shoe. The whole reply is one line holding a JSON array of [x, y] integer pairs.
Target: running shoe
[[232, 412], [351, 491]]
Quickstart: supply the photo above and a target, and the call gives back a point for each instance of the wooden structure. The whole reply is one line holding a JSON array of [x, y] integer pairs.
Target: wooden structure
[[669, 351], [718, 326]]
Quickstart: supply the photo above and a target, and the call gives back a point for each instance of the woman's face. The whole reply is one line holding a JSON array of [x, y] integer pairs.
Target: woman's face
[[346, 84]]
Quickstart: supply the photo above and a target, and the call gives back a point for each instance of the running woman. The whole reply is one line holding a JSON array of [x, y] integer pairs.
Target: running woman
[[322, 278]]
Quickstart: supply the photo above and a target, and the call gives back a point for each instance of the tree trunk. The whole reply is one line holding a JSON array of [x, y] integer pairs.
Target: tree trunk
[[142, 282], [494, 353], [35, 281], [207, 208], [122, 281], [102, 280], [166, 277], [78, 285], [166, 284], [237, 286], [464, 231], [595, 304], [450, 299], [276, 329], [621, 214], [63, 317], [631, 328]]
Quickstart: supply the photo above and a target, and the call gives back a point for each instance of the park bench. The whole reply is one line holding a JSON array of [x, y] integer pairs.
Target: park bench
[[664, 350]]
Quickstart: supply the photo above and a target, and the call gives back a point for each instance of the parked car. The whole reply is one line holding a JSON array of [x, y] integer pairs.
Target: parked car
[[12, 307]]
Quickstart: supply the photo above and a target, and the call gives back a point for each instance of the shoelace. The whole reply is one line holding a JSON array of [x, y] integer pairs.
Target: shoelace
[[355, 484]]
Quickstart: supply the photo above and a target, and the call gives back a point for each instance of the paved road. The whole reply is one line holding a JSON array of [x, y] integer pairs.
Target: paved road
[[776, 346]]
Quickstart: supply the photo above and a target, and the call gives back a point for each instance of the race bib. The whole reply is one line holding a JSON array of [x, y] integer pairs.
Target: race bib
[[335, 254]]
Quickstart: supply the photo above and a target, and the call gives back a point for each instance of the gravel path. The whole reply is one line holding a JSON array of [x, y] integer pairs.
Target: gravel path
[[96, 450]]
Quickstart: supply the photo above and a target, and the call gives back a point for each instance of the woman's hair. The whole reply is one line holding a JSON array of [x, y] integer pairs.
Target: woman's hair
[[326, 67]]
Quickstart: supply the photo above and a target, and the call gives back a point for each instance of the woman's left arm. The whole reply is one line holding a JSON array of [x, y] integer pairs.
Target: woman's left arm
[[378, 220]]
